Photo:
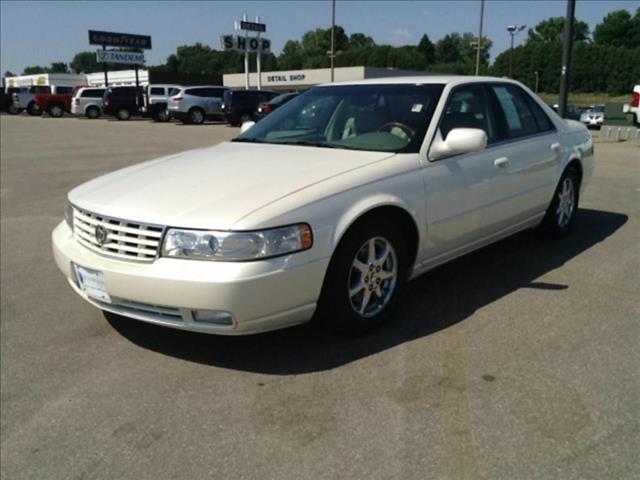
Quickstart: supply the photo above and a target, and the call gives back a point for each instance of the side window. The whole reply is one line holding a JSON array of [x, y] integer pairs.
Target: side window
[[157, 91], [196, 92], [469, 107], [64, 90], [544, 124], [519, 118]]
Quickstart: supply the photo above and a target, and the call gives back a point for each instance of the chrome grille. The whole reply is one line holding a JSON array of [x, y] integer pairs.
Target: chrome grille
[[125, 240]]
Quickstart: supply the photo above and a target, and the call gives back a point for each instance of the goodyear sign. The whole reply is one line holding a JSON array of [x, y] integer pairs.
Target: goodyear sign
[[114, 39]]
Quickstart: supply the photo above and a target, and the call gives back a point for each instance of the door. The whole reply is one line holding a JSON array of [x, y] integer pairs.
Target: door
[[465, 192], [532, 147]]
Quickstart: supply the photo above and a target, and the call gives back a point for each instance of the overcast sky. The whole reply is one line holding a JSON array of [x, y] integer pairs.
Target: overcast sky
[[38, 33]]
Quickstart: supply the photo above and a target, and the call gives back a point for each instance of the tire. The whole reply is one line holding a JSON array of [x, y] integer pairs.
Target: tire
[[123, 114], [162, 116], [13, 110], [245, 118], [34, 110], [56, 110], [92, 112], [561, 214], [196, 116], [361, 288]]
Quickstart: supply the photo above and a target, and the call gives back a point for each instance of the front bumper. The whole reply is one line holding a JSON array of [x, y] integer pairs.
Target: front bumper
[[260, 296]]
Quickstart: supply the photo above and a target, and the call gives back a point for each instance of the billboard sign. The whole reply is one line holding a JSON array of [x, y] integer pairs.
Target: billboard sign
[[113, 39], [250, 26]]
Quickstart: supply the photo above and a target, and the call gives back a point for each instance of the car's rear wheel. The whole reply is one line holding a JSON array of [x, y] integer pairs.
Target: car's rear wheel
[[13, 110], [123, 113], [196, 116], [162, 116], [56, 110], [364, 277], [92, 112], [34, 110], [561, 214]]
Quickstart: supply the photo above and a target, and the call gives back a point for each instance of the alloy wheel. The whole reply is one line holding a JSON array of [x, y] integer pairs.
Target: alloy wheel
[[566, 202]]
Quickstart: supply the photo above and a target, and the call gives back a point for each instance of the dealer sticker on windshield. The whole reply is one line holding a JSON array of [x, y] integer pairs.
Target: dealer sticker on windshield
[[416, 107], [92, 283]]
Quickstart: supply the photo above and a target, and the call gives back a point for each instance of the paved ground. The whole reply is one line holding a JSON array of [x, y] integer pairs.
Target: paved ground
[[520, 361]]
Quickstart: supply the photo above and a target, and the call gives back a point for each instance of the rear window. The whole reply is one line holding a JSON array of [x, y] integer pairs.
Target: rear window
[[173, 91]]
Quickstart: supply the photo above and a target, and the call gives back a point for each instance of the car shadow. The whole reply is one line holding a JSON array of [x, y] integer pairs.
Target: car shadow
[[443, 297]]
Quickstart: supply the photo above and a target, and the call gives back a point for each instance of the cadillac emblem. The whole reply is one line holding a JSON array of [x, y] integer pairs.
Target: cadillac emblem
[[101, 235]]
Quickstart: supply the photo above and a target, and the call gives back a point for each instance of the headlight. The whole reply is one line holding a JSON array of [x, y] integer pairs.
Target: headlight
[[236, 246], [68, 215]]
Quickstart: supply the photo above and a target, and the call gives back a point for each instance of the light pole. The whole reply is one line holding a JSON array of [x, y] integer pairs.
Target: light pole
[[513, 31], [479, 38], [333, 32], [537, 78]]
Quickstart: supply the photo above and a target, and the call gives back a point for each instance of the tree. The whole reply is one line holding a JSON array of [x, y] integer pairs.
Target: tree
[[448, 49], [552, 30], [58, 67], [360, 40], [428, 49], [9, 74], [85, 62], [34, 70], [619, 29]]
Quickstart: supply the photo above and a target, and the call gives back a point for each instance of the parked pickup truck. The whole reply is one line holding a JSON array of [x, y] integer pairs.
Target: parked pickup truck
[[27, 99], [55, 104]]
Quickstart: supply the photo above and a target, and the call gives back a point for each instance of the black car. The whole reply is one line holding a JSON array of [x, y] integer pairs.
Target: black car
[[239, 106], [265, 108], [123, 102]]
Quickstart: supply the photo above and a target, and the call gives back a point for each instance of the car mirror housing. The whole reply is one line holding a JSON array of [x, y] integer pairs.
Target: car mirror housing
[[459, 140], [246, 126]]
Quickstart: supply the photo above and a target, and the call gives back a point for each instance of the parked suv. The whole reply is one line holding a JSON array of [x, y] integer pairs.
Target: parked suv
[[87, 101], [265, 108], [122, 102], [239, 106], [156, 100], [634, 107], [197, 104]]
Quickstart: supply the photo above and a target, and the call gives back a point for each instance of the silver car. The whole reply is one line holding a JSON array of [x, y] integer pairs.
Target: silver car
[[87, 101], [196, 104], [593, 117]]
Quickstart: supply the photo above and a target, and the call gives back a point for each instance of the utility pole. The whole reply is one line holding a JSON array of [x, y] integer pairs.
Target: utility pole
[[537, 78], [513, 31], [246, 56], [333, 37], [479, 39], [567, 48], [258, 60]]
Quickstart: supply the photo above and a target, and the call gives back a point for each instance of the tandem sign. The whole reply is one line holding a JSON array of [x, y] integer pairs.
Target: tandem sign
[[115, 56], [245, 44], [114, 39]]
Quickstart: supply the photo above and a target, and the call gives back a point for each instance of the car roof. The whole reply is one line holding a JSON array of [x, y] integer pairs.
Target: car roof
[[165, 85], [423, 80]]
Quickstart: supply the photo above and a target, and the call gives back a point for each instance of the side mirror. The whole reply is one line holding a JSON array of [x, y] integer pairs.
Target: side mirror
[[246, 126], [459, 140]]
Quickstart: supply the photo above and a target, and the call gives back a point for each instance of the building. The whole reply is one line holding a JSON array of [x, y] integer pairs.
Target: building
[[58, 79], [300, 79]]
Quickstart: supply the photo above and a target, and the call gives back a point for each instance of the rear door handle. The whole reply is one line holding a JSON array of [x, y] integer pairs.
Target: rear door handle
[[502, 162]]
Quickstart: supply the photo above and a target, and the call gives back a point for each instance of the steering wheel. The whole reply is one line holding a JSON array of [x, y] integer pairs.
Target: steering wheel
[[410, 132]]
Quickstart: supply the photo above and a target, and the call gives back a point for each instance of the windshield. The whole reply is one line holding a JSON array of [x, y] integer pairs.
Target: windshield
[[390, 118]]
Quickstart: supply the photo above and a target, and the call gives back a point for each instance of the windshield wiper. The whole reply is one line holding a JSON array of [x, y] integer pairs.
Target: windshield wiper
[[308, 143], [248, 140]]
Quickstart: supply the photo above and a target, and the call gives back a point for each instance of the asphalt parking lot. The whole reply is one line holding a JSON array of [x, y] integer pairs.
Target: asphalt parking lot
[[519, 361]]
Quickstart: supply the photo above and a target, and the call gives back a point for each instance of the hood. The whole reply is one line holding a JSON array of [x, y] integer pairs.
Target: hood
[[216, 186]]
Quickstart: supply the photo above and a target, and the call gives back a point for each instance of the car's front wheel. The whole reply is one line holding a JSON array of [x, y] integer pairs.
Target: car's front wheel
[[561, 213], [34, 110], [364, 277]]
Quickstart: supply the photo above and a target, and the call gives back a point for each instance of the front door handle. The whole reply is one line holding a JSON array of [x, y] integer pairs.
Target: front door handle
[[555, 147], [502, 162]]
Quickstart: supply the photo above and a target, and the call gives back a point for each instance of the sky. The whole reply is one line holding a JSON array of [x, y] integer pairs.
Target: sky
[[38, 33]]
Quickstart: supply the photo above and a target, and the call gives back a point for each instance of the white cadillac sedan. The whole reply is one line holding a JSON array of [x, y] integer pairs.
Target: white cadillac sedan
[[328, 206]]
